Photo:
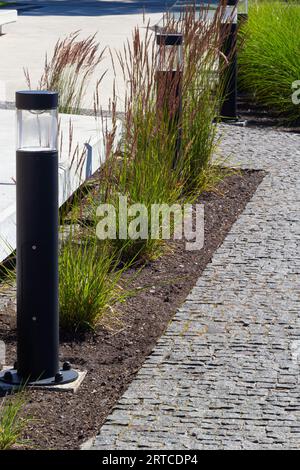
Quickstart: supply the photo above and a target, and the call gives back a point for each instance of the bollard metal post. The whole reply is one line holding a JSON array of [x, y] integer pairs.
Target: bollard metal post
[[37, 243], [229, 105], [169, 77]]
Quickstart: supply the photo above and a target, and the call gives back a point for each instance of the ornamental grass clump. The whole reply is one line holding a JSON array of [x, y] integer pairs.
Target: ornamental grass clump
[[89, 276], [269, 61], [70, 69], [12, 422], [148, 169], [142, 171], [204, 80]]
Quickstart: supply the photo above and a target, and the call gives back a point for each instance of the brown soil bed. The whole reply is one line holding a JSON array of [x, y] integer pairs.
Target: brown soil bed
[[112, 358]]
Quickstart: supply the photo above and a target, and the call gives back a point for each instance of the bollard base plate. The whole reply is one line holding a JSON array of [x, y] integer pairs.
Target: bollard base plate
[[11, 378]]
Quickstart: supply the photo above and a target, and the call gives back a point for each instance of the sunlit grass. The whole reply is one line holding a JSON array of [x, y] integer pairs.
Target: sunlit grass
[[89, 278], [12, 423], [269, 60], [69, 69], [147, 170]]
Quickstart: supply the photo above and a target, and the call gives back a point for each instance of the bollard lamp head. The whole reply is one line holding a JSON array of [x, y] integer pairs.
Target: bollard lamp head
[[170, 51], [37, 120]]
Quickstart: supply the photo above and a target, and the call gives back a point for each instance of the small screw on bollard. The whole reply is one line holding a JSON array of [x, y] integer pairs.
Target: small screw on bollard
[[8, 377], [58, 377], [67, 366]]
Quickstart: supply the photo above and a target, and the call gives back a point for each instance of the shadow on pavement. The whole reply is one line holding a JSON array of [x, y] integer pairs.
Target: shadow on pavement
[[90, 8]]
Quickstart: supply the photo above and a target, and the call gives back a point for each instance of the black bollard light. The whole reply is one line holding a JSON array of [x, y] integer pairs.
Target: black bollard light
[[169, 83], [37, 244], [229, 26]]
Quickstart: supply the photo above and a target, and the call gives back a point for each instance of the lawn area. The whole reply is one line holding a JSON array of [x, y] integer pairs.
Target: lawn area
[[269, 62]]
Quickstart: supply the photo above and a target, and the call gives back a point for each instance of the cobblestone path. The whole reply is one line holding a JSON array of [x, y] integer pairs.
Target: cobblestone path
[[226, 373]]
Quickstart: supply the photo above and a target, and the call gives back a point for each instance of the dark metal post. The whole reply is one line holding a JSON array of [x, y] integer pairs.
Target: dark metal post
[[37, 264], [229, 105], [37, 243], [169, 84]]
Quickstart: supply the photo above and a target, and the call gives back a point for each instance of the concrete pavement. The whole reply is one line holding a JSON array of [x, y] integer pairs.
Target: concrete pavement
[[42, 23]]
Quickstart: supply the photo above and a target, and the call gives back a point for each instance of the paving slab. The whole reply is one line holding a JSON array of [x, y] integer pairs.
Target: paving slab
[[225, 375], [72, 387]]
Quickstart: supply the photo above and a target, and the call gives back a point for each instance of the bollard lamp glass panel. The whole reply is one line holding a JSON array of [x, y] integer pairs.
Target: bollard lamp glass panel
[[170, 52], [243, 7], [230, 14], [37, 129]]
